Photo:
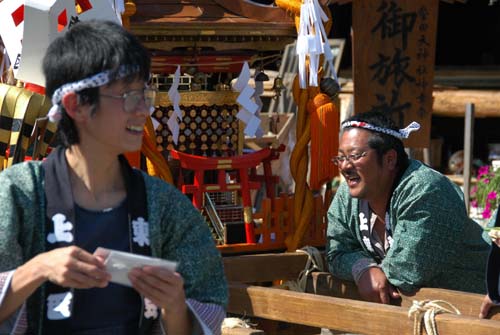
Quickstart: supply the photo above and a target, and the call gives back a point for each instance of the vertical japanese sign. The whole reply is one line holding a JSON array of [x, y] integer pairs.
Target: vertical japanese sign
[[393, 55]]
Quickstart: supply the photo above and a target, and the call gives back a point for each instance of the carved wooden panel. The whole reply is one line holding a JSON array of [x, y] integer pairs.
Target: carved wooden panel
[[393, 54], [209, 126]]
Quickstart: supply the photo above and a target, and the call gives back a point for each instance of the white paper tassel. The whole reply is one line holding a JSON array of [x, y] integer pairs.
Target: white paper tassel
[[175, 98]]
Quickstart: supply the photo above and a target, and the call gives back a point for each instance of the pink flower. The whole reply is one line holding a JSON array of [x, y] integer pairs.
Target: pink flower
[[474, 203], [473, 190], [485, 169], [486, 213], [486, 181], [492, 195]]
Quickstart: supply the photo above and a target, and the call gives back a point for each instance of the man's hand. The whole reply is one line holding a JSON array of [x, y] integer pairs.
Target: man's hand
[[485, 307], [373, 286]]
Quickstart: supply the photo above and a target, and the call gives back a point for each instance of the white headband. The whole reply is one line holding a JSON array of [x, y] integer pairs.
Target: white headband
[[100, 79], [401, 133]]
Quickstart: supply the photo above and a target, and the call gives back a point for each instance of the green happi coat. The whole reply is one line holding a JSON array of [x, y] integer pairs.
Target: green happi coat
[[435, 242]]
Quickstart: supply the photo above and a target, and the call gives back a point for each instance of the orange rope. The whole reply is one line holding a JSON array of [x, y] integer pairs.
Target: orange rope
[[291, 6], [156, 165], [324, 140], [155, 162]]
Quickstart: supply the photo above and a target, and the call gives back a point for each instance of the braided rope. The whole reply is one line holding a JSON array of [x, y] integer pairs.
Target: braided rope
[[426, 310]]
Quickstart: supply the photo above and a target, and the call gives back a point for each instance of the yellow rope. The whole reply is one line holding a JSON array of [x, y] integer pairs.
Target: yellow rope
[[426, 310]]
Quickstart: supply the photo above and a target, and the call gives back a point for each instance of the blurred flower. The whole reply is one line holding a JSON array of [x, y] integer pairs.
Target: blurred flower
[[492, 195], [485, 194], [485, 169], [486, 213]]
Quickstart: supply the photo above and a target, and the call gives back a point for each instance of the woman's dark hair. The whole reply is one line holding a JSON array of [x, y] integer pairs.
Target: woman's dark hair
[[86, 49], [381, 142]]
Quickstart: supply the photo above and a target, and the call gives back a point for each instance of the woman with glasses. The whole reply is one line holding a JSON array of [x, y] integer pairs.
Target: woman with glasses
[[395, 224], [53, 215]]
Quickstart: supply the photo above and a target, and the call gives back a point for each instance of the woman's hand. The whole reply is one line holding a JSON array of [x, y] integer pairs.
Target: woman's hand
[[72, 267], [165, 289]]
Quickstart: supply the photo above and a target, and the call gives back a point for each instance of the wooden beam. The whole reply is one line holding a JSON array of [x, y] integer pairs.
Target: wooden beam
[[343, 2], [343, 314], [453, 102], [467, 303], [241, 331], [264, 267], [263, 45], [287, 266], [260, 12]]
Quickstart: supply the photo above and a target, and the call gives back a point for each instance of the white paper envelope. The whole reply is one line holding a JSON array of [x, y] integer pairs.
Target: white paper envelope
[[119, 263]]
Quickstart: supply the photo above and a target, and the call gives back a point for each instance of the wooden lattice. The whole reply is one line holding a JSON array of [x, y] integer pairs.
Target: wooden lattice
[[209, 126]]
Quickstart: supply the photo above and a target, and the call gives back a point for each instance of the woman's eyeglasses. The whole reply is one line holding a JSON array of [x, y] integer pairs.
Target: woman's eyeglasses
[[132, 99]]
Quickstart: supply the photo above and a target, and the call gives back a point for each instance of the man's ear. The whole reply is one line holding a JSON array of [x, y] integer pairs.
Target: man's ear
[[71, 104], [391, 158]]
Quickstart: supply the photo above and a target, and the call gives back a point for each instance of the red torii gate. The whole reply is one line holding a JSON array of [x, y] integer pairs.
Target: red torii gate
[[244, 184]]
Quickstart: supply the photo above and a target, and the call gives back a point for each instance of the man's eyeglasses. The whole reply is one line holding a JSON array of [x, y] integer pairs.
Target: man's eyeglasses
[[132, 99], [338, 160]]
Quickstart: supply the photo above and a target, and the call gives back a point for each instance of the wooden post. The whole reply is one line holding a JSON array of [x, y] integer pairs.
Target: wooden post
[[130, 10], [468, 151]]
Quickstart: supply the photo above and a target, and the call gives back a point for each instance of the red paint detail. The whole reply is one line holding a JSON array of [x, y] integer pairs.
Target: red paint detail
[[85, 5], [18, 15], [62, 20]]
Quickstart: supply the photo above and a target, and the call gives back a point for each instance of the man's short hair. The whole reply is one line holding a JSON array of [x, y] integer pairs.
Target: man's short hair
[[88, 48], [382, 142]]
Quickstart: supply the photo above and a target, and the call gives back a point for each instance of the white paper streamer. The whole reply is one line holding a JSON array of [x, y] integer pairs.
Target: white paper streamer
[[118, 7], [156, 123], [312, 41], [249, 108], [4, 66], [259, 89], [243, 78], [175, 98]]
